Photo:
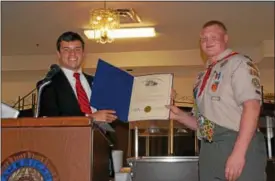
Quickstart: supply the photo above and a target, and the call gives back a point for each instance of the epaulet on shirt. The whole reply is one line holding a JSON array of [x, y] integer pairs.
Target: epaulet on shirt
[[241, 58], [238, 61]]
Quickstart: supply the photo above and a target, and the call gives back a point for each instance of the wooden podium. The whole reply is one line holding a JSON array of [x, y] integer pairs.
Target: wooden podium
[[56, 148]]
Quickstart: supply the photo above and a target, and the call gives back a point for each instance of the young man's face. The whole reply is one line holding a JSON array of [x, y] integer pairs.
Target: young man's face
[[71, 54], [213, 40]]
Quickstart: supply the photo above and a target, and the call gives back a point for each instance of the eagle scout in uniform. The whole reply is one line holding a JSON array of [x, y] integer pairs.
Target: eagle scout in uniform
[[227, 101]]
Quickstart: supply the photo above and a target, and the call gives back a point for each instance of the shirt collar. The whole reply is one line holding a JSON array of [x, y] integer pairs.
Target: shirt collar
[[220, 56], [70, 72]]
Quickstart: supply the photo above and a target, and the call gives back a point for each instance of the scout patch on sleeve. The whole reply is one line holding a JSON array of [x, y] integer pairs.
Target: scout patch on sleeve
[[253, 72], [256, 83], [253, 66]]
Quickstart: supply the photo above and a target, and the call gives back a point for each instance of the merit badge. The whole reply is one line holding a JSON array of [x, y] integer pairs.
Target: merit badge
[[200, 120], [198, 80], [27, 165], [196, 84], [256, 83], [195, 91], [147, 109], [200, 75]]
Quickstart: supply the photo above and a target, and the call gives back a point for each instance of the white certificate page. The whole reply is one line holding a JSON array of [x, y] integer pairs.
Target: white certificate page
[[150, 94]]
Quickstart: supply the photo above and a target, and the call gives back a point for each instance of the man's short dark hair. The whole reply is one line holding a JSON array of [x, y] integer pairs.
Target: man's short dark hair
[[69, 36], [215, 22]]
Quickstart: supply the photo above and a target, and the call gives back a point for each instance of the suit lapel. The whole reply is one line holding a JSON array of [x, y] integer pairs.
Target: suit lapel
[[68, 94]]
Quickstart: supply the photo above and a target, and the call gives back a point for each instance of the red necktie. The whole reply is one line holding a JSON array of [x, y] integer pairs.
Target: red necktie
[[208, 72], [82, 97]]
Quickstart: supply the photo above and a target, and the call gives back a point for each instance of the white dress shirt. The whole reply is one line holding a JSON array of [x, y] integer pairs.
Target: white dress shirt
[[86, 85]]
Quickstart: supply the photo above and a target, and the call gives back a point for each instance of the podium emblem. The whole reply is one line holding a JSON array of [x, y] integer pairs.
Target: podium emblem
[[28, 166]]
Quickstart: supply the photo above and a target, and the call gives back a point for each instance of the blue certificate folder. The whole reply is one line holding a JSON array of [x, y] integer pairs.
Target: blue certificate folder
[[133, 98], [112, 89]]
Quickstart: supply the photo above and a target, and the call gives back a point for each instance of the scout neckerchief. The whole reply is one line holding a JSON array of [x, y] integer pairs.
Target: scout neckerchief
[[206, 127], [208, 72]]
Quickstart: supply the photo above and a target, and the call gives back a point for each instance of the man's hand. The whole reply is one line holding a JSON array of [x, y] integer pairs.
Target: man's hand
[[175, 112], [104, 116], [173, 94], [182, 117], [234, 166], [248, 126]]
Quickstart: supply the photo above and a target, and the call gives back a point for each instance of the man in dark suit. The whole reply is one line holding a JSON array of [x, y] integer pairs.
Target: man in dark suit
[[70, 90]]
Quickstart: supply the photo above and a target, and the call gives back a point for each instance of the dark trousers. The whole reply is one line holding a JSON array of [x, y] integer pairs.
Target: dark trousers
[[213, 156]]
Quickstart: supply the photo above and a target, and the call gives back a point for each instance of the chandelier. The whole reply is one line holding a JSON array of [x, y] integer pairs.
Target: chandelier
[[103, 21]]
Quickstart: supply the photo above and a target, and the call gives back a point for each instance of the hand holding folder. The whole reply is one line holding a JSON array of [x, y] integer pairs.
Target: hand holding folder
[[133, 98]]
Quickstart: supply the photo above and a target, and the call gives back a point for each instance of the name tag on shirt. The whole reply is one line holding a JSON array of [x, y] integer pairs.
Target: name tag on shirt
[[215, 98]]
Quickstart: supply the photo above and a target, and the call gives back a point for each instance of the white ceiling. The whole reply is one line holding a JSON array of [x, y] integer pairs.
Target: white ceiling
[[26, 24]]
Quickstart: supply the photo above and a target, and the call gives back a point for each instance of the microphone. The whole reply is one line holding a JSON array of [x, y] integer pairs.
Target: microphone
[[54, 69]]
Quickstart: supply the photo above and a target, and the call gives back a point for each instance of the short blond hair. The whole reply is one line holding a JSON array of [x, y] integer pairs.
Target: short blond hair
[[215, 22]]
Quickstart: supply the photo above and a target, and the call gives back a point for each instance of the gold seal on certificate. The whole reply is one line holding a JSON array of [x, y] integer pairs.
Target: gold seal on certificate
[[147, 109]]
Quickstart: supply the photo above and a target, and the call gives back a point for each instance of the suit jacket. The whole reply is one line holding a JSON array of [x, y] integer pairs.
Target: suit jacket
[[58, 98]]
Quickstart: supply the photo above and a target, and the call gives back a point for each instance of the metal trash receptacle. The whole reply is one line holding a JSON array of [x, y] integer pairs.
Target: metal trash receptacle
[[172, 168]]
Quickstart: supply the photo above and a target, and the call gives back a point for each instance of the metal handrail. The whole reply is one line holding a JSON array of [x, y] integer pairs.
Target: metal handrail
[[23, 103], [23, 98]]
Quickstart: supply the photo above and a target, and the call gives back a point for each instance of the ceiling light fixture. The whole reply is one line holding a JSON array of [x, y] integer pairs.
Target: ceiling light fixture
[[103, 21], [123, 33]]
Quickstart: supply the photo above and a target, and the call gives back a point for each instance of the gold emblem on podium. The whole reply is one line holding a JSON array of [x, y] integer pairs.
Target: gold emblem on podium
[[28, 165], [147, 109]]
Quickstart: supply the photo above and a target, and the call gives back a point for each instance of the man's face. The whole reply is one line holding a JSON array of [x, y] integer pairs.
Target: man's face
[[71, 54], [213, 40]]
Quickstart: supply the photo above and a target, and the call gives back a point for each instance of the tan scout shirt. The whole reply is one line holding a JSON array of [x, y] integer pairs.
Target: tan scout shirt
[[232, 81]]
